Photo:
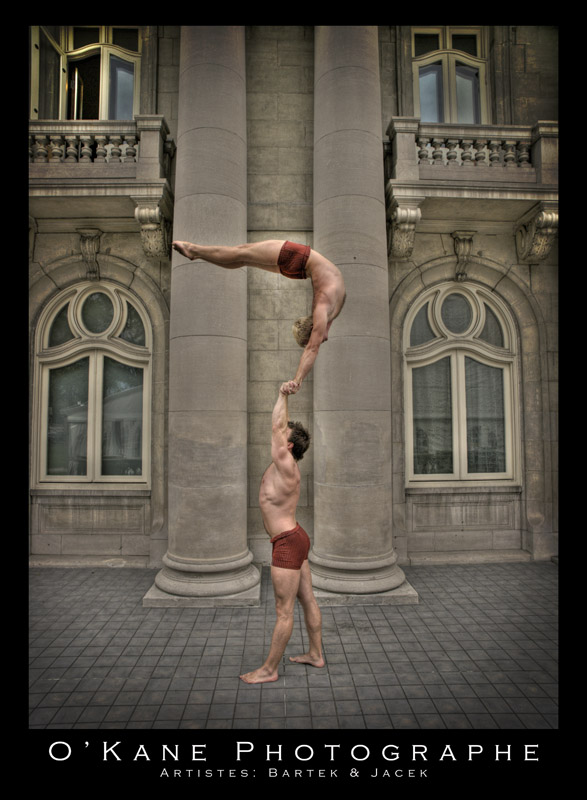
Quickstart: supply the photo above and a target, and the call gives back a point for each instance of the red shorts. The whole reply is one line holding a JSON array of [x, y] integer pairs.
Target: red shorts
[[292, 260], [290, 548]]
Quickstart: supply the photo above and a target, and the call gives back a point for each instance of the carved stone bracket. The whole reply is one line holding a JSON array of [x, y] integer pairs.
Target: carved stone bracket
[[463, 245], [401, 227], [90, 247], [535, 232], [155, 229]]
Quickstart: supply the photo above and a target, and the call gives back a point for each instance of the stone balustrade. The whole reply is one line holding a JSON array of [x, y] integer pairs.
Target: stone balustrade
[[68, 143], [506, 152], [442, 146], [93, 142]]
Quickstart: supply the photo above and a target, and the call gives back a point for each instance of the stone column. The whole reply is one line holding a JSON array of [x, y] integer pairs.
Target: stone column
[[208, 559], [353, 551]]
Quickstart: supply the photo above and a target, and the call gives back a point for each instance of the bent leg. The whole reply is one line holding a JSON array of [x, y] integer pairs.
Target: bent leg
[[256, 254], [285, 587], [313, 619]]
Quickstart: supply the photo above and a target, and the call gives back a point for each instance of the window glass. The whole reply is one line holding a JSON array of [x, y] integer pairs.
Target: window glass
[[492, 332], [97, 312], [49, 79], [121, 89], [84, 36], [465, 42], [456, 313], [53, 30], [60, 331], [421, 331], [485, 417], [122, 422], [431, 104], [68, 419], [432, 415], [425, 43], [467, 79], [126, 37], [134, 331]]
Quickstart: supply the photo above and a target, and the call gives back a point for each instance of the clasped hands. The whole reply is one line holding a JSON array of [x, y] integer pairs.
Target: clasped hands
[[290, 387]]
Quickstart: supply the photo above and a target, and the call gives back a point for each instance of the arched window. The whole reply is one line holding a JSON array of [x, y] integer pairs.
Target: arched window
[[93, 377], [449, 71], [461, 388]]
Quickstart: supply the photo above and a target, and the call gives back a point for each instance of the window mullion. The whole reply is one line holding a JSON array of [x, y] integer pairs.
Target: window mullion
[[459, 415], [95, 413]]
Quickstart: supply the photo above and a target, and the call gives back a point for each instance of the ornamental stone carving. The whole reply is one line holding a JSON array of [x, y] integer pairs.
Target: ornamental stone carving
[[536, 232], [401, 229], [155, 230], [463, 244], [90, 247]]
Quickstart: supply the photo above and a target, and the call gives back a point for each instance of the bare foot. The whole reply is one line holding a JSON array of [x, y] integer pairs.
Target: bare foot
[[306, 658], [185, 248], [261, 675]]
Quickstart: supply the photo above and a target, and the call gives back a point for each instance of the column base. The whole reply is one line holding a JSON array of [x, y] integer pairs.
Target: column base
[[182, 583], [157, 598], [364, 576], [402, 596]]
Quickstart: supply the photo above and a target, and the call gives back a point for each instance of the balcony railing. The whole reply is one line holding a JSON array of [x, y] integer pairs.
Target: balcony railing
[[68, 143], [449, 152], [106, 170], [427, 165]]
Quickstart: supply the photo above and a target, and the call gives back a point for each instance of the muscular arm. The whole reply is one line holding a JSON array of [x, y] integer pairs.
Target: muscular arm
[[280, 454], [319, 328]]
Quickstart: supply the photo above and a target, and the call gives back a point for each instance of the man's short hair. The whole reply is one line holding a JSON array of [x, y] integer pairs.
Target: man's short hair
[[302, 328], [300, 438]]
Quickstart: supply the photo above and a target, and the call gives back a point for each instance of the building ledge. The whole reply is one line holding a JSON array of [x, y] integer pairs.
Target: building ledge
[[493, 179], [116, 173]]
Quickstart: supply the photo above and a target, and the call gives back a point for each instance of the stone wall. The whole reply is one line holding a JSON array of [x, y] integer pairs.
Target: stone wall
[[280, 114]]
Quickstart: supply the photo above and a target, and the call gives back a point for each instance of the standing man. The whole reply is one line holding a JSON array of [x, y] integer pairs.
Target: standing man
[[295, 261], [290, 571]]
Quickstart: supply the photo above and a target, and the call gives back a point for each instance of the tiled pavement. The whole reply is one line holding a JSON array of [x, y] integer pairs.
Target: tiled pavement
[[478, 651]]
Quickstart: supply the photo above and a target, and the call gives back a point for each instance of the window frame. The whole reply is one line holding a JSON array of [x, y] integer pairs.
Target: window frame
[[96, 347], [105, 47], [458, 347], [448, 58]]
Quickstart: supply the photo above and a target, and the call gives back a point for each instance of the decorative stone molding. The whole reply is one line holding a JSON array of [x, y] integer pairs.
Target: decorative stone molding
[[401, 228], [535, 232], [155, 229], [463, 244], [90, 247]]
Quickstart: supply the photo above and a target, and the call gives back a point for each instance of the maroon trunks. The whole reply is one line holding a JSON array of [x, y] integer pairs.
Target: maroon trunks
[[292, 260], [290, 548]]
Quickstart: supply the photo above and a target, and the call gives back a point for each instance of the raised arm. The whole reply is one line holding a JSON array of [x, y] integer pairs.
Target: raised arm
[[280, 454], [319, 331]]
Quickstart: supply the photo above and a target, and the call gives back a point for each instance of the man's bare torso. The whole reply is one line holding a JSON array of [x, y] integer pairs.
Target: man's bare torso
[[327, 283], [278, 499]]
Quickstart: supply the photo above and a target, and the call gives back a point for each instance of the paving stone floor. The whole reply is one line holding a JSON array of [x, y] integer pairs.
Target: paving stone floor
[[478, 651]]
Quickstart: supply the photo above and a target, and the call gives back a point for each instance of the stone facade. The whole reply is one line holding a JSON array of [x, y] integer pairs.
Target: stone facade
[[271, 148]]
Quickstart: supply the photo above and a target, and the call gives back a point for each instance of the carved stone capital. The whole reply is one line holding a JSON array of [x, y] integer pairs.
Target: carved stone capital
[[89, 239], [401, 229], [536, 232], [463, 245], [155, 229]]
